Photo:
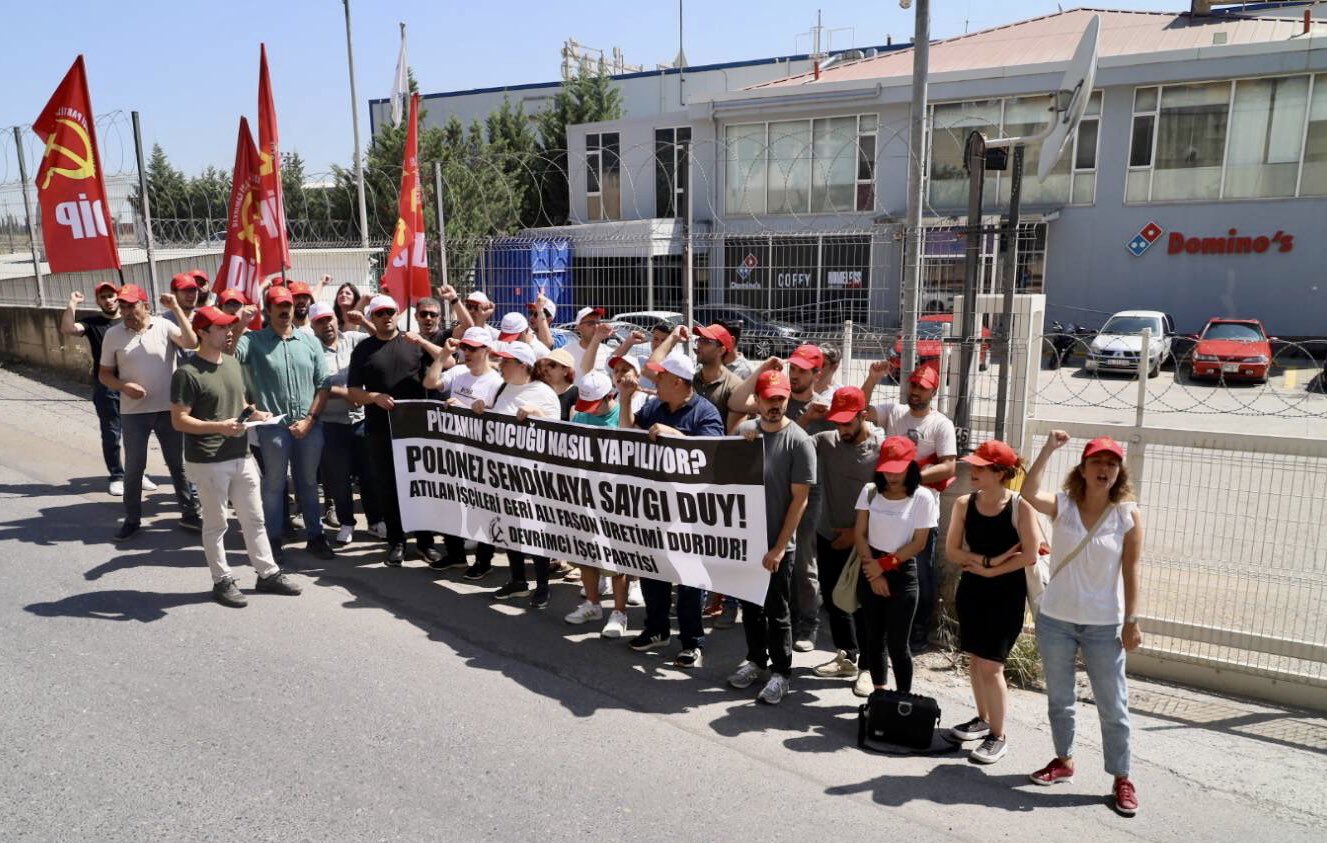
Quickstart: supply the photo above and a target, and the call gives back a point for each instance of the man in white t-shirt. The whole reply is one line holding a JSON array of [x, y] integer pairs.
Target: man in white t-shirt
[[138, 360], [937, 454], [589, 352], [516, 328]]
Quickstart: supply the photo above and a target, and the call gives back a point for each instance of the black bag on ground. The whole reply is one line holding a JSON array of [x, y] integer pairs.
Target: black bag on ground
[[900, 719]]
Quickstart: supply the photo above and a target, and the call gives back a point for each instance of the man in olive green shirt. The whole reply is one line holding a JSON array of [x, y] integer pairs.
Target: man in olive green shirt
[[208, 406]]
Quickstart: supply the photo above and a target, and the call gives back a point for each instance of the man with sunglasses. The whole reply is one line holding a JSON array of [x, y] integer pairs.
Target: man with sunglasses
[[472, 312], [106, 402], [386, 368]]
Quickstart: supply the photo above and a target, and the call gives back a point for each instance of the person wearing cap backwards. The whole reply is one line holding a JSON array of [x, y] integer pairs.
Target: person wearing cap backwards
[[138, 357], [845, 462], [713, 381], [104, 400], [286, 374], [937, 454], [384, 368], [992, 537], [345, 448], [895, 514], [1091, 603], [790, 472], [677, 410], [209, 405], [523, 397]]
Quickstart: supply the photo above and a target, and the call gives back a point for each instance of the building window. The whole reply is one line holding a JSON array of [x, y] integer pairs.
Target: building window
[[1266, 130], [603, 180], [821, 166], [1313, 178], [670, 172]]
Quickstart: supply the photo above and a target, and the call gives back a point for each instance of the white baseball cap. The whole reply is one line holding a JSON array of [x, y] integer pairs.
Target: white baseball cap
[[479, 297], [476, 337], [378, 303], [513, 325], [320, 310], [675, 363], [590, 311], [550, 308], [516, 351], [630, 359], [593, 387]]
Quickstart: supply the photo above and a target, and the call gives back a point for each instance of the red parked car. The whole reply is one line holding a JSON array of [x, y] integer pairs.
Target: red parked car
[[931, 330], [1232, 349]]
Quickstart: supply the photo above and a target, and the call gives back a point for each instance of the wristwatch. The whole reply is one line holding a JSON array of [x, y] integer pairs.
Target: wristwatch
[[1131, 619]]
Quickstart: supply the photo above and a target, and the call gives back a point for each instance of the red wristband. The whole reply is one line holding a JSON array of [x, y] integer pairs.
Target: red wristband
[[888, 562]]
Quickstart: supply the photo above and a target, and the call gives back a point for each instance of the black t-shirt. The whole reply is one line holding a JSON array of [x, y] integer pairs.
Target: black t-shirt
[[393, 366], [94, 328], [568, 401]]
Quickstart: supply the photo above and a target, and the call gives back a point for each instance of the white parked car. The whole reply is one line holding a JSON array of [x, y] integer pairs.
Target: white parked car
[[1118, 344]]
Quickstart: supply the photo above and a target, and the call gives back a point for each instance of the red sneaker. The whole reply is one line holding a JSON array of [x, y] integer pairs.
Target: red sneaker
[[1126, 798], [1053, 773], [713, 607]]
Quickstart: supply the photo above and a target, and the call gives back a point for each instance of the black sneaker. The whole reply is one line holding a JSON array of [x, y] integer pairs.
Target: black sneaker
[[478, 571], [330, 519], [395, 556], [539, 599], [433, 557], [647, 641], [970, 731], [319, 548], [191, 521], [127, 530], [228, 594], [519, 588], [278, 583]]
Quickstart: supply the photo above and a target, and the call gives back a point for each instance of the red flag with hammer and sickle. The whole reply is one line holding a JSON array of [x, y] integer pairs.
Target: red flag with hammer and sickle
[[276, 246], [242, 258], [407, 276], [76, 223]]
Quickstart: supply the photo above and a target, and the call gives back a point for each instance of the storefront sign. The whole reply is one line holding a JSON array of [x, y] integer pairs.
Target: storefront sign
[[1143, 240], [1233, 243]]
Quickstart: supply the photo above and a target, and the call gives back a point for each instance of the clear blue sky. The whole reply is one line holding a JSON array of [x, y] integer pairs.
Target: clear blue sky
[[190, 68]]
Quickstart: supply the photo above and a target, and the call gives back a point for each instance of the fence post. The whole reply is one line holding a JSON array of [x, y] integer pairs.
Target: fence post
[[147, 211], [1137, 452], [27, 213], [845, 358], [688, 279], [442, 222]]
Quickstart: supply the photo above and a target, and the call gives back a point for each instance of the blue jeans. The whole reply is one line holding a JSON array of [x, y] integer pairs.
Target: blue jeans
[[281, 451], [107, 402], [1103, 654], [137, 428]]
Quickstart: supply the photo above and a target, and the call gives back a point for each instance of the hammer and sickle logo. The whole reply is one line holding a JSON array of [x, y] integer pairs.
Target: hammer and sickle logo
[[248, 221], [495, 532], [264, 163], [85, 163]]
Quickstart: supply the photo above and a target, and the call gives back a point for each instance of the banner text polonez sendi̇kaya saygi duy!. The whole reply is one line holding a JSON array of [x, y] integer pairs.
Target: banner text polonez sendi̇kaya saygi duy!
[[686, 510]]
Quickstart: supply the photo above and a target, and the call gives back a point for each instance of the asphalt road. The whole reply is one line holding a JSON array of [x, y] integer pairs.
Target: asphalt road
[[397, 704]]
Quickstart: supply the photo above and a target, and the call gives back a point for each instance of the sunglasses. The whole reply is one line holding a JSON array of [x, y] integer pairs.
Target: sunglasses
[[378, 314], [473, 306], [427, 314]]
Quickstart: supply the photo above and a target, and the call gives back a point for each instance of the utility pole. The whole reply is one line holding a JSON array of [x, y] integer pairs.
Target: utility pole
[[913, 239], [354, 124]]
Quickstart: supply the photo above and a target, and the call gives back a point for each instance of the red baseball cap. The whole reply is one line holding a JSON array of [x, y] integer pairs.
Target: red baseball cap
[[104, 285], [807, 357], [847, 403], [925, 376], [183, 281], [896, 454], [719, 334], [1103, 443], [299, 288], [199, 276], [992, 452], [206, 317], [276, 294], [773, 384], [231, 294], [132, 293]]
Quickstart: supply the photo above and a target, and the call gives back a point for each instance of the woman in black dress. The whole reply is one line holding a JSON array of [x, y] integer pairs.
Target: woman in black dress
[[993, 537]]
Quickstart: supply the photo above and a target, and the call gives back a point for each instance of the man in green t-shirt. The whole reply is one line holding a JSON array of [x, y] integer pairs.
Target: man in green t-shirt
[[210, 407]]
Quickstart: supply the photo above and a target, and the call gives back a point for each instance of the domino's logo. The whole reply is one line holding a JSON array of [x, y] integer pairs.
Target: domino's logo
[[1144, 239]]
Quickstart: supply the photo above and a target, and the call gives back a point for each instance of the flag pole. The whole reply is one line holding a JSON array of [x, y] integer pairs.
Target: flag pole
[[442, 221], [27, 213], [147, 209], [354, 123]]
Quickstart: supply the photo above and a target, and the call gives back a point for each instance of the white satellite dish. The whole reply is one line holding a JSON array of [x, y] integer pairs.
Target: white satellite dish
[[1072, 98]]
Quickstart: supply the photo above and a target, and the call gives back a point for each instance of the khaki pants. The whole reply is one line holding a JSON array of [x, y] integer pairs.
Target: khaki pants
[[239, 482]]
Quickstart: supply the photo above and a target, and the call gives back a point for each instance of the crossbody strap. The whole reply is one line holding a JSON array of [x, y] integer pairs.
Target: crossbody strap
[[1073, 554]]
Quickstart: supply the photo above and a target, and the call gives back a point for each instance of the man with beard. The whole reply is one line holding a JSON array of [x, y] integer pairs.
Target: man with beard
[[790, 472], [845, 462], [937, 454], [713, 380], [303, 298], [106, 401]]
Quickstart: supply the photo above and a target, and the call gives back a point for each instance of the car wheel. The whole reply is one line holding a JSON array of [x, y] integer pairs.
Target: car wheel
[[1155, 370]]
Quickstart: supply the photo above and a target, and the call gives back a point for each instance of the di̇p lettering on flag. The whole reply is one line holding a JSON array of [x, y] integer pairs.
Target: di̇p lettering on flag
[[275, 251], [407, 276]]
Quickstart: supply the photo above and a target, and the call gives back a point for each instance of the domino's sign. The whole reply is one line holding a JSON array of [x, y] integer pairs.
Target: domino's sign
[[1143, 240]]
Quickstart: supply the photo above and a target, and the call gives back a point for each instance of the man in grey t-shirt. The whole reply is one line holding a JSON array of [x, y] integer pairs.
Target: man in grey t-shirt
[[790, 472]]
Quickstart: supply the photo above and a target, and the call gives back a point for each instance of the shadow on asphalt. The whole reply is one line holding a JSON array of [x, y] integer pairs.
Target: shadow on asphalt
[[966, 784], [118, 605]]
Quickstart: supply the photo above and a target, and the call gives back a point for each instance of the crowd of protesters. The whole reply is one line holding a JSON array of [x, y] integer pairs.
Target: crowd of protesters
[[278, 410]]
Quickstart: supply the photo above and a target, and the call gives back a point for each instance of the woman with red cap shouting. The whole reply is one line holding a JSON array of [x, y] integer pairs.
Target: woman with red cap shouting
[[992, 537], [895, 516], [1090, 604]]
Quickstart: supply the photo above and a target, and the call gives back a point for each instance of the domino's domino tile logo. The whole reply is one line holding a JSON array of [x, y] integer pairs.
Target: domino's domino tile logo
[[1144, 239]]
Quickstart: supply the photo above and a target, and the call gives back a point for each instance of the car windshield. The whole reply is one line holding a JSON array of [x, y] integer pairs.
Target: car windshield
[[1239, 331], [1132, 325], [931, 330]]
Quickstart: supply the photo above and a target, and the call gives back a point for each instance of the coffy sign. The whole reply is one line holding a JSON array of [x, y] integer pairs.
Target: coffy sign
[[1233, 243]]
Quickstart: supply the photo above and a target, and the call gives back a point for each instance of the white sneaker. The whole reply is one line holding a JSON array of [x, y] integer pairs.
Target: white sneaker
[[116, 488], [345, 535], [774, 690], [863, 686], [634, 597], [587, 611], [148, 485], [616, 626], [838, 667], [378, 529], [746, 675]]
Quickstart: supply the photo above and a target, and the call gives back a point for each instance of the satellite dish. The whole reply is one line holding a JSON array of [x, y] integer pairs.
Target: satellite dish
[[1071, 100]]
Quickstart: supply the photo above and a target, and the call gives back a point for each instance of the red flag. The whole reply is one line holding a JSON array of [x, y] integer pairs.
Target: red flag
[[75, 221], [242, 258], [276, 248], [407, 276]]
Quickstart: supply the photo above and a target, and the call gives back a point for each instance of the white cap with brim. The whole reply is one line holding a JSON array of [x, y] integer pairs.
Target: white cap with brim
[[378, 303], [476, 337], [592, 388], [320, 310], [513, 325], [588, 311], [516, 351], [479, 297], [631, 360], [677, 364]]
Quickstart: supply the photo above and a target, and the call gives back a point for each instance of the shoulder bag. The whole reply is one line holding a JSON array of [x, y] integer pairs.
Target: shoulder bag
[[845, 590]]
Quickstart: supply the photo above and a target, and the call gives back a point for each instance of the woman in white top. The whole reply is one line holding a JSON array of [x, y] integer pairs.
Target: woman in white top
[[895, 515], [1090, 604]]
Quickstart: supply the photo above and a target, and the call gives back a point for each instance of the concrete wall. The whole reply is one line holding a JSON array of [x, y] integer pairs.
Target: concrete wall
[[32, 335]]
